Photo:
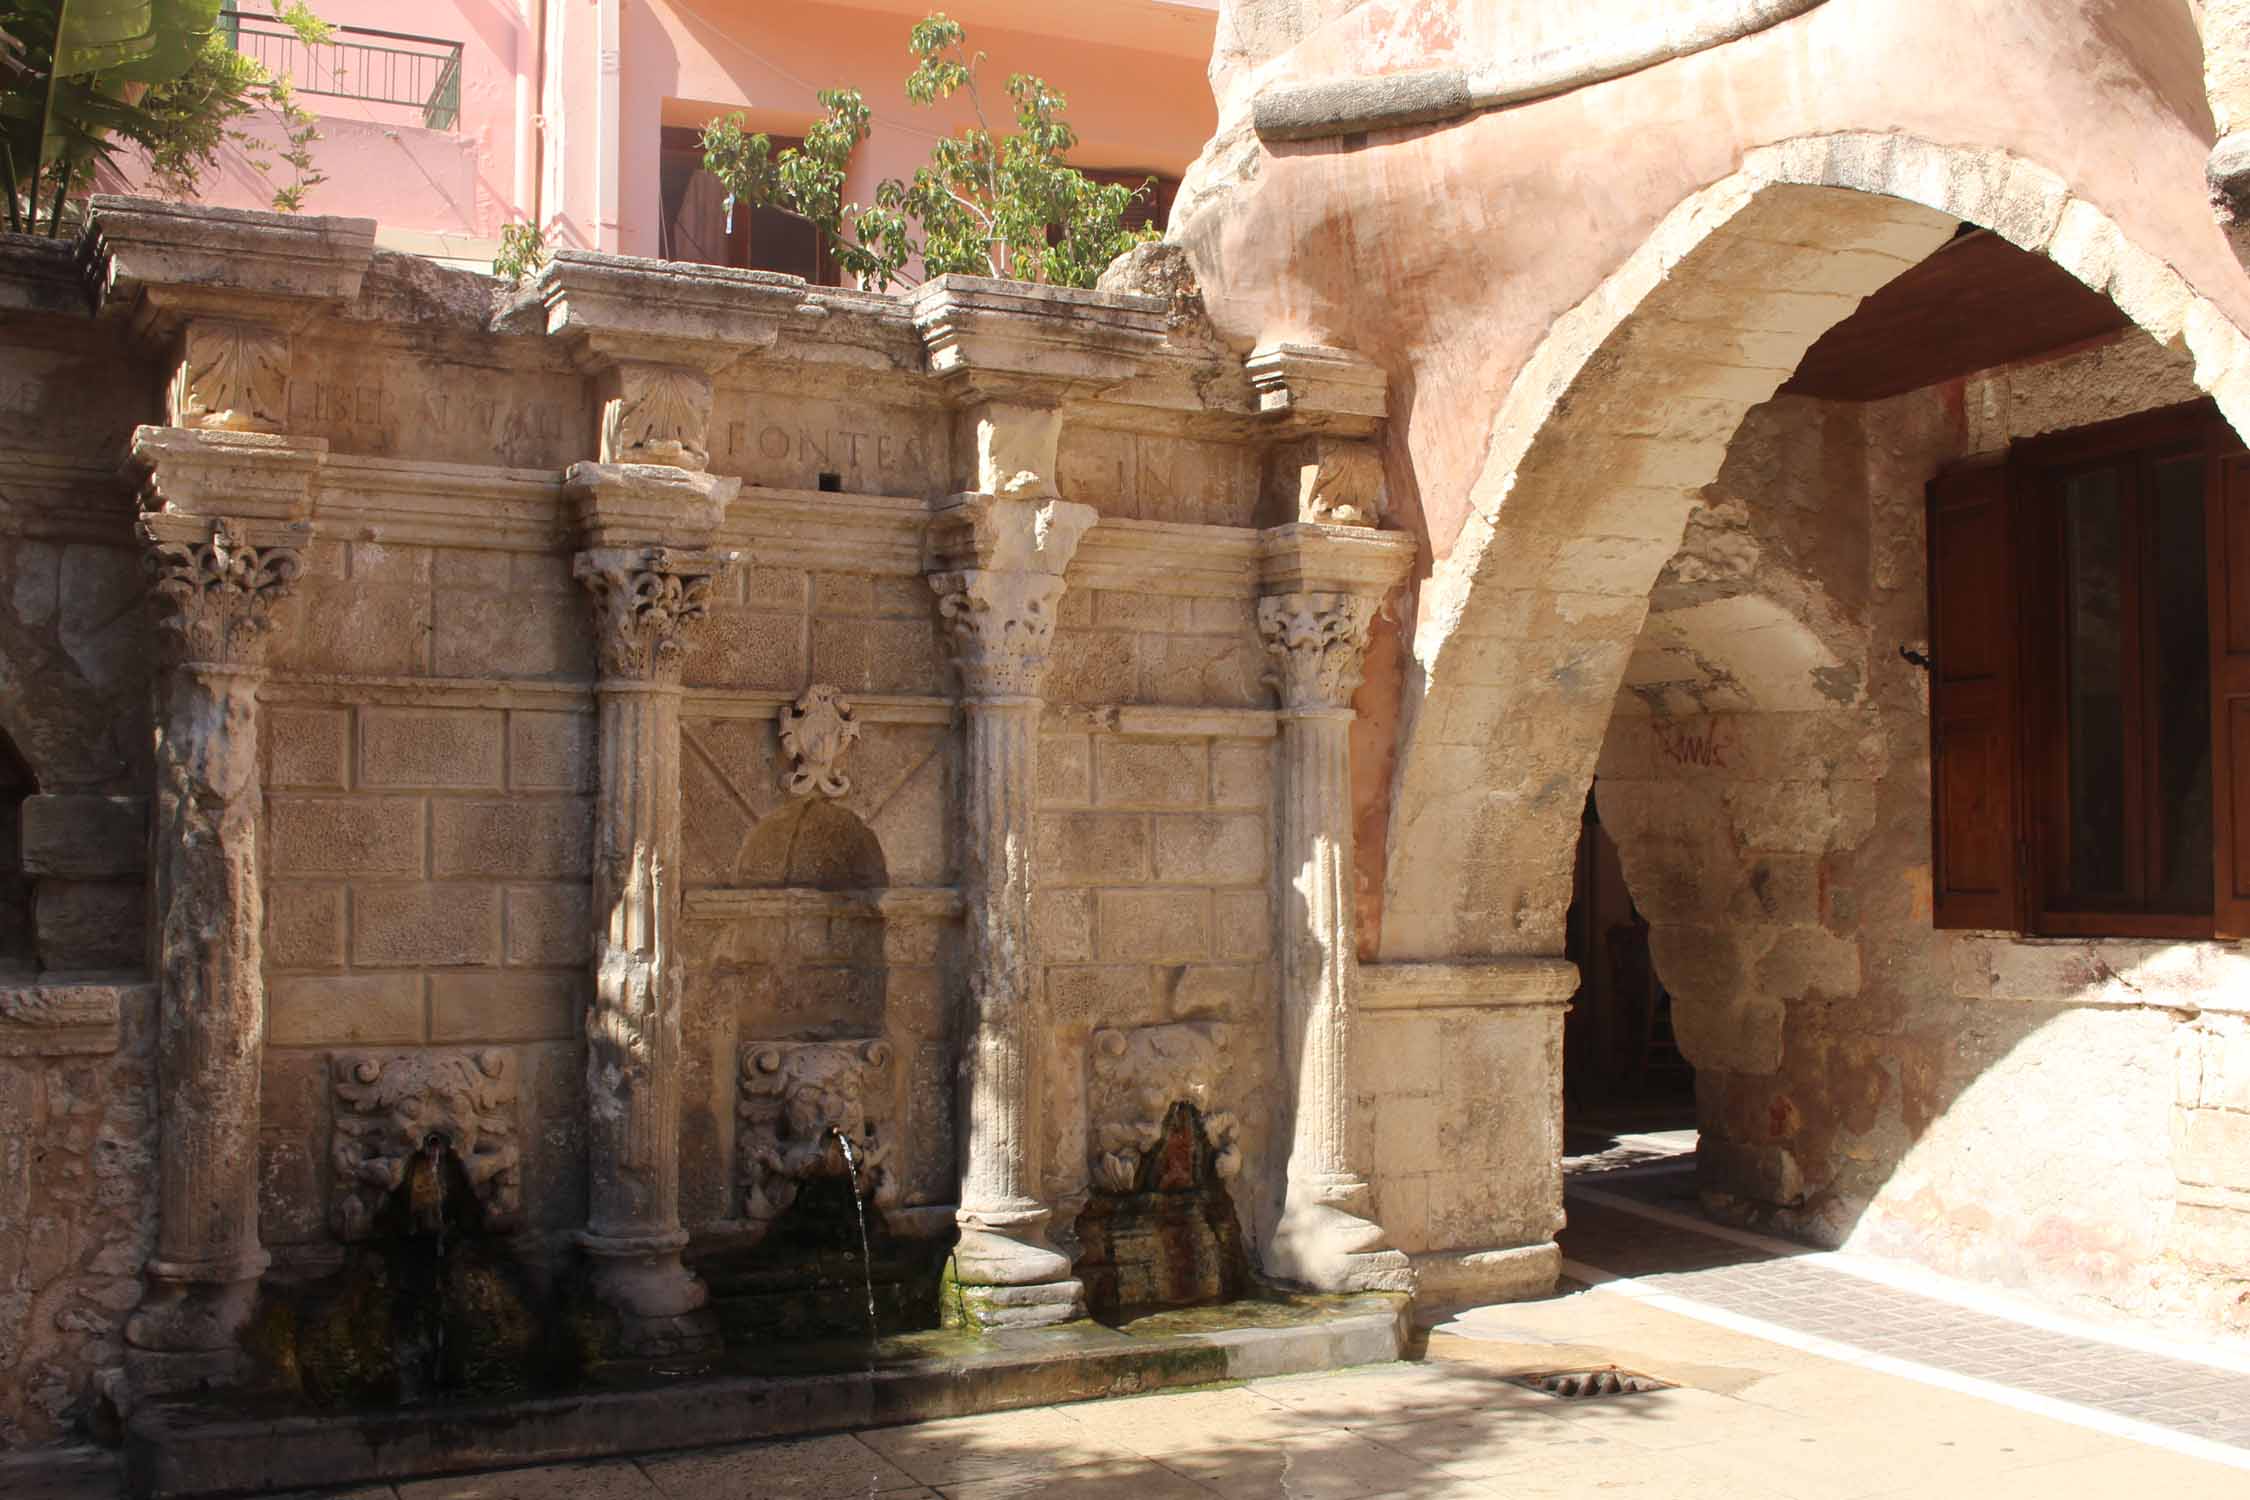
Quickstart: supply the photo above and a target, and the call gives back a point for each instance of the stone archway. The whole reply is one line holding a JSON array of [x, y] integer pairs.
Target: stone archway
[[1622, 415]]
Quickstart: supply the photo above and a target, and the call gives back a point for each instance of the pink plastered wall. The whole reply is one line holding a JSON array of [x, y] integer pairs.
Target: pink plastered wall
[[381, 162], [562, 102], [1133, 71]]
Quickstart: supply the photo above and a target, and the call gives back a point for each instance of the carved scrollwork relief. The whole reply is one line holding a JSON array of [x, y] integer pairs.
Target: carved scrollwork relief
[[215, 598], [232, 376], [815, 734], [658, 415], [390, 1107], [1319, 644], [1135, 1077], [797, 1099], [644, 600]]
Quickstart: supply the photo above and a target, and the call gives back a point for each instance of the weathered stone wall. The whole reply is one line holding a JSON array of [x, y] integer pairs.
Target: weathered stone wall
[[77, 1191], [2049, 1114]]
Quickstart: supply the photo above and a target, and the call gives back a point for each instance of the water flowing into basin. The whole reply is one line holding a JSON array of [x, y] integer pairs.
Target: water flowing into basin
[[866, 1255]]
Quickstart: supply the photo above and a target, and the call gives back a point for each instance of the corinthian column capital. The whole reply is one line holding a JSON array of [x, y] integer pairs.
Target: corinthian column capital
[[215, 591], [1318, 642], [1001, 627], [999, 582], [644, 599]]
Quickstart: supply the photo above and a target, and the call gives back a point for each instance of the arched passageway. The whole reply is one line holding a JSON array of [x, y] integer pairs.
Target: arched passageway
[[1705, 591]]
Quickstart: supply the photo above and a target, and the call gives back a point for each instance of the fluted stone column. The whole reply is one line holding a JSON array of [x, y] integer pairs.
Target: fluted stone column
[[1326, 1236], [219, 587], [1000, 616], [646, 599]]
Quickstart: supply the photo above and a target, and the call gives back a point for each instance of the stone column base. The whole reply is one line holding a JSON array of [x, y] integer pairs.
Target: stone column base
[[186, 1334], [657, 1304], [1325, 1246], [1004, 1274], [1468, 1278]]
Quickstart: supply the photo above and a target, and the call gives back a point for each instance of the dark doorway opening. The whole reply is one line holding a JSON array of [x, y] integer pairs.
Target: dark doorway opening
[[1628, 1093]]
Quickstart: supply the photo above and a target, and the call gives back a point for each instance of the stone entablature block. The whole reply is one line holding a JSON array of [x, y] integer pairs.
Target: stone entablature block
[[161, 258], [63, 1020]]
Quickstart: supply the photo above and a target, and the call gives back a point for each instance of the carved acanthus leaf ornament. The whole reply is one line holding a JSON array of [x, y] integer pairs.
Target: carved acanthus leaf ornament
[[1319, 644], [815, 735], [643, 601], [215, 599], [1001, 625]]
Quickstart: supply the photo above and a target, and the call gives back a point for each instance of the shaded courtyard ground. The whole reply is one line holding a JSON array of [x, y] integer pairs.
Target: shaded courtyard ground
[[1794, 1376]]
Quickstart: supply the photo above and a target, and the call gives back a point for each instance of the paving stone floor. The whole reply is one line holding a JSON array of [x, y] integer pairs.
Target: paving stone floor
[[1810, 1298], [1746, 1418]]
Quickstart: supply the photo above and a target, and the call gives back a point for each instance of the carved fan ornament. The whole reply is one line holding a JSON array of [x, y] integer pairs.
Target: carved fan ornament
[[232, 376], [661, 419], [816, 734], [1346, 487]]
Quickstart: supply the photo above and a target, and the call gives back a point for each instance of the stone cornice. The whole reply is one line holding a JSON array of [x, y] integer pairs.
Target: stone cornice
[[891, 903], [161, 262], [1468, 984], [1031, 343], [613, 307], [1169, 557], [1313, 387]]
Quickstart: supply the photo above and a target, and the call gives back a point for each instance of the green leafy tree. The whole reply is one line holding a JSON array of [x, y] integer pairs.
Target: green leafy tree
[[86, 78], [1006, 205]]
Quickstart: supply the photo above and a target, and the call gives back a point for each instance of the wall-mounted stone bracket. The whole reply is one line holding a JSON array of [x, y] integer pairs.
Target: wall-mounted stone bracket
[[391, 1106]]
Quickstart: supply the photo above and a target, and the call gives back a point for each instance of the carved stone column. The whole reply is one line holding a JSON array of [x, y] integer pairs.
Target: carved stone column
[[999, 611], [219, 584], [646, 598], [1324, 585]]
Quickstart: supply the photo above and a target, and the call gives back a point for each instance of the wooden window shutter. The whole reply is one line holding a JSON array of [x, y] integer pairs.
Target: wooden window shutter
[[2228, 522], [1973, 700]]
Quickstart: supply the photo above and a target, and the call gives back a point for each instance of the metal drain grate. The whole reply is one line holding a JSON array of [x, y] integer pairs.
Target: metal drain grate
[[1582, 1384]]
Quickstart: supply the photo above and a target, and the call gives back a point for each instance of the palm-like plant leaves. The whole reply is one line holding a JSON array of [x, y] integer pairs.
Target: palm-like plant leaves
[[83, 65]]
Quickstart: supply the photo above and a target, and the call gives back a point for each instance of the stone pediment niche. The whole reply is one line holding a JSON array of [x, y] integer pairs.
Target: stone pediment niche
[[796, 1100], [389, 1108], [1135, 1077]]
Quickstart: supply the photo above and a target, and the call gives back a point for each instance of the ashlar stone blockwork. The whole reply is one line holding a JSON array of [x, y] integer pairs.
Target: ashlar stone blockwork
[[546, 768]]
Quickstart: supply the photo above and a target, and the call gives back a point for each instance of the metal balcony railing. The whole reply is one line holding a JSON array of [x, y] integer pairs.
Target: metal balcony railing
[[381, 67]]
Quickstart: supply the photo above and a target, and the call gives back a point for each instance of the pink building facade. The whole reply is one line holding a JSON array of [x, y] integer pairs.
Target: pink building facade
[[563, 106]]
